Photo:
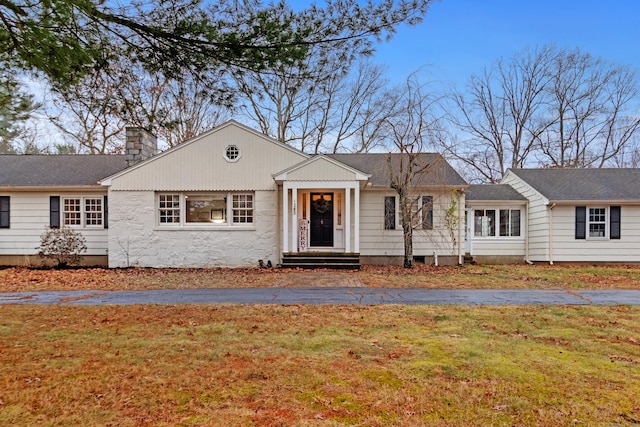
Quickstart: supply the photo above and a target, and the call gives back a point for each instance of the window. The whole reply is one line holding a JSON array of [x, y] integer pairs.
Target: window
[[93, 211], [484, 223], [232, 153], [4, 211], [593, 222], [422, 213], [242, 208], [510, 222], [212, 208], [169, 205], [72, 211], [597, 222], [77, 211], [390, 213]]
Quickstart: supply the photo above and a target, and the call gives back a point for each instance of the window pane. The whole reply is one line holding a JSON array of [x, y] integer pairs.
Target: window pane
[[597, 222], [72, 210], [491, 223], [206, 208], [477, 222], [389, 213], [93, 211], [515, 222], [169, 205], [504, 222], [242, 208]]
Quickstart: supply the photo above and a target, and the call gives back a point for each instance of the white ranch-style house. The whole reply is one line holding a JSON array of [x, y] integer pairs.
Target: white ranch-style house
[[233, 197]]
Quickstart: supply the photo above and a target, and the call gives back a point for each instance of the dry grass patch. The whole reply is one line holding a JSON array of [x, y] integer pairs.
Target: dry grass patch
[[422, 276], [308, 366]]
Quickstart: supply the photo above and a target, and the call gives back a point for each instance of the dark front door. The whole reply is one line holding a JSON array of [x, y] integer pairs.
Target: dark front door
[[321, 232]]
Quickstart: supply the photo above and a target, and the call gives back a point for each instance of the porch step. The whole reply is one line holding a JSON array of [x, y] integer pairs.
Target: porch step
[[334, 260]]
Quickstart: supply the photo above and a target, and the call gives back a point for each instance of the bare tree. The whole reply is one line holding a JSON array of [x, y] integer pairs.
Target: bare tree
[[545, 107], [595, 105], [88, 115], [414, 126], [501, 114]]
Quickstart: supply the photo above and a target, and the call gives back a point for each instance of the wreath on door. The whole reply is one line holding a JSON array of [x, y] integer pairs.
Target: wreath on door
[[321, 205]]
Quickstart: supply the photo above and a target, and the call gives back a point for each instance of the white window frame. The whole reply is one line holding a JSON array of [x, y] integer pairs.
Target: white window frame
[[83, 213], [605, 223], [233, 208], [496, 228]]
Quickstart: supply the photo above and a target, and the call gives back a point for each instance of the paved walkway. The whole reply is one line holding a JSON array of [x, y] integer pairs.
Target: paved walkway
[[328, 295]]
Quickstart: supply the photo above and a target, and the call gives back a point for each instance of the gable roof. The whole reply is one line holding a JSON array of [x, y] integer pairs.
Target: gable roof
[[492, 192], [58, 170], [320, 168], [583, 184], [376, 165]]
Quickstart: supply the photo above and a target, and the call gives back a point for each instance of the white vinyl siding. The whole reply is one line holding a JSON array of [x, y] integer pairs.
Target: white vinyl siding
[[566, 248], [375, 240], [200, 164], [537, 218], [30, 219]]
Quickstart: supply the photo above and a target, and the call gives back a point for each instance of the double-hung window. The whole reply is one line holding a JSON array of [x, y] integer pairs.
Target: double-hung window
[[216, 209], [82, 211], [598, 222]]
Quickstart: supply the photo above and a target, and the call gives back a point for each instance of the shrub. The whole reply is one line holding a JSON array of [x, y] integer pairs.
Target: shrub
[[62, 245]]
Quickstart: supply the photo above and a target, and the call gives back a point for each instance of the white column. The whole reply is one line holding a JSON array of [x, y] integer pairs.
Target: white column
[[356, 220], [285, 217], [294, 219], [347, 219]]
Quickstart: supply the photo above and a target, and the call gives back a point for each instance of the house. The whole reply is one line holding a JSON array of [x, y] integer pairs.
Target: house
[[556, 215], [38, 192], [580, 215], [232, 197], [496, 229]]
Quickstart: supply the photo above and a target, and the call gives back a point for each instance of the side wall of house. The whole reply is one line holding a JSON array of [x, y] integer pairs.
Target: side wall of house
[[136, 239], [376, 242], [537, 219], [29, 219], [566, 248]]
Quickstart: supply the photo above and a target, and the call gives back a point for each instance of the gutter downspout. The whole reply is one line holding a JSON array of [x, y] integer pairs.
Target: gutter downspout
[[551, 206], [526, 235], [461, 224]]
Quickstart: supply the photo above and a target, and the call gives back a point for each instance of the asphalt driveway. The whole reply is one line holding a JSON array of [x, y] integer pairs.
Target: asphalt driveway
[[328, 295]]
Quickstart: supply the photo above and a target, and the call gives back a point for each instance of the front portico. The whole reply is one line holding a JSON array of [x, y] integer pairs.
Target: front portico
[[321, 206]]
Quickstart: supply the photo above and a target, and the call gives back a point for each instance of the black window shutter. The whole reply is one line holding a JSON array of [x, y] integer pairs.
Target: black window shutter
[[581, 222], [105, 212], [614, 222], [427, 212], [54, 211], [4, 211], [389, 213]]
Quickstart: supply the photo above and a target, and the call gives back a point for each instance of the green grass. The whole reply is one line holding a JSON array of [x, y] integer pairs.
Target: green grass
[[318, 366]]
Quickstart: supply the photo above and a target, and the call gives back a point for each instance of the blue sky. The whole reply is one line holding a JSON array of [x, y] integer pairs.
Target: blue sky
[[459, 37]]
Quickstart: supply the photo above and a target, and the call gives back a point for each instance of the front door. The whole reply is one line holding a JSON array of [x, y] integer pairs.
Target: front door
[[321, 227]]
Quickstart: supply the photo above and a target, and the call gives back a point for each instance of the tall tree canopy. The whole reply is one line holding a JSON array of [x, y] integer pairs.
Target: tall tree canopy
[[66, 39]]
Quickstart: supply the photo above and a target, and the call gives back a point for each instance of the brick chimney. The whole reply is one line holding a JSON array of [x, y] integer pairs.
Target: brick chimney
[[140, 145]]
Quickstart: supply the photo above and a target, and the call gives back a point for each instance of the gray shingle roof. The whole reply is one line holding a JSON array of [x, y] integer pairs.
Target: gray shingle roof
[[57, 170], [583, 184], [493, 192], [376, 164]]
